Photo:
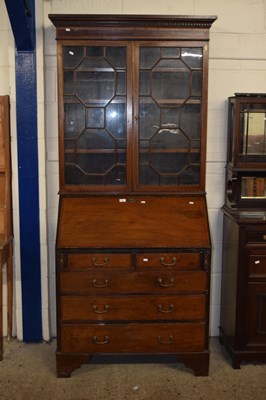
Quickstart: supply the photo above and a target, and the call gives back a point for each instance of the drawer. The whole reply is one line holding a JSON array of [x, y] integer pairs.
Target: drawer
[[133, 338], [180, 261], [255, 236], [134, 282], [103, 260], [132, 308], [257, 264]]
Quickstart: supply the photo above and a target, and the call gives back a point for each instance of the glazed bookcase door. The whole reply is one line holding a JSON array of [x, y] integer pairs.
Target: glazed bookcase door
[[95, 123], [170, 116]]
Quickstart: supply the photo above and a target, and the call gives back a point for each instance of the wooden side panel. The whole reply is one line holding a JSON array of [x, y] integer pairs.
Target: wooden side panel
[[5, 171], [229, 277]]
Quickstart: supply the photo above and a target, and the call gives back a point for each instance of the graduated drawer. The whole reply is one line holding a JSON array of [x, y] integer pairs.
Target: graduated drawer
[[98, 260], [180, 261], [133, 282], [133, 308], [255, 236], [133, 338], [257, 264]]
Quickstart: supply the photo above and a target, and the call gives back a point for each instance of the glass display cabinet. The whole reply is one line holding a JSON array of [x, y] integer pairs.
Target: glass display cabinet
[[243, 301], [246, 157], [133, 244]]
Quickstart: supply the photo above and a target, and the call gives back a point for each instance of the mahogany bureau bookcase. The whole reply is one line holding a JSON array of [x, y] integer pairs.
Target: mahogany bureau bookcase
[[6, 225], [133, 245]]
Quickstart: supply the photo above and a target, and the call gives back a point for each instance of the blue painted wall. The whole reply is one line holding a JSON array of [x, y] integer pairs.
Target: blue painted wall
[[23, 26]]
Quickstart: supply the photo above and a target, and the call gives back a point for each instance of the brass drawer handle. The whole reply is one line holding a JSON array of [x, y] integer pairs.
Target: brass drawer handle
[[165, 311], [105, 262], [163, 284], [161, 341], [264, 237], [105, 309], [101, 284], [170, 264], [97, 341]]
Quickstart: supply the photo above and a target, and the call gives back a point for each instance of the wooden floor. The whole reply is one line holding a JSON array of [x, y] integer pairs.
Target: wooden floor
[[28, 372]]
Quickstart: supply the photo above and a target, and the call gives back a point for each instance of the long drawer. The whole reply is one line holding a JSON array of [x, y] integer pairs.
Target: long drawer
[[134, 282], [132, 338], [133, 308]]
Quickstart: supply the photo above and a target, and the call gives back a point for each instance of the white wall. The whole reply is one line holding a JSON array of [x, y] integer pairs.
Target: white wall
[[237, 64]]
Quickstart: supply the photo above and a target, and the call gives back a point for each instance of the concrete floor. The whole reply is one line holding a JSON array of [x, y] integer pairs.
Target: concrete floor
[[28, 373]]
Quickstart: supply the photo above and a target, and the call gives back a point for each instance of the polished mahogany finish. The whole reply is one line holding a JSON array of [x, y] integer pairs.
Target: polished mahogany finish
[[133, 244], [243, 300], [6, 225]]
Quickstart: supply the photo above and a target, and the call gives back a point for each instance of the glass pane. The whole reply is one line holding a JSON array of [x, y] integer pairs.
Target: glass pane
[[74, 120], [117, 176], [90, 64], [196, 88], [148, 57], [169, 163], [149, 120], [95, 51], [191, 176], [169, 139], [148, 176], [72, 56], [145, 85], [96, 88], [190, 120], [95, 117], [95, 163], [170, 117], [254, 132], [116, 119], [170, 85], [192, 56], [74, 176], [95, 139], [68, 82], [121, 83], [116, 56], [170, 52], [253, 187]]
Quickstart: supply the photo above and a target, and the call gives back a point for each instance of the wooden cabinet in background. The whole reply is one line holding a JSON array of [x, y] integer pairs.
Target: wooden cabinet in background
[[6, 226], [243, 299], [133, 245]]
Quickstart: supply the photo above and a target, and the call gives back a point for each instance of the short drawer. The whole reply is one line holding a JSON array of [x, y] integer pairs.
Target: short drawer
[[133, 338], [255, 236], [90, 260], [134, 282], [132, 308], [179, 261], [257, 264]]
